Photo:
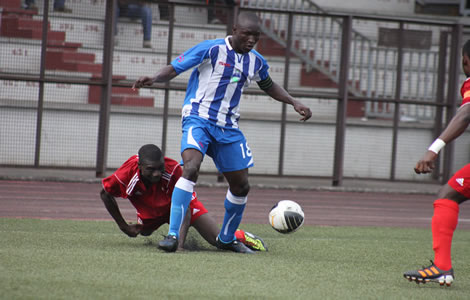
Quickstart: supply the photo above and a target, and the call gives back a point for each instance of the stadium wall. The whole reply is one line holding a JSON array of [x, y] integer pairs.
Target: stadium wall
[[70, 119], [309, 146]]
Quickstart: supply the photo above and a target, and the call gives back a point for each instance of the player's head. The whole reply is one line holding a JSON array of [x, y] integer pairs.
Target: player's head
[[466, 58], [246, 32], [151, 163]]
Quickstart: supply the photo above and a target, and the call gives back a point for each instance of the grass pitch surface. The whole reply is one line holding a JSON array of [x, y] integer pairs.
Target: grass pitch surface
[[56, 259]]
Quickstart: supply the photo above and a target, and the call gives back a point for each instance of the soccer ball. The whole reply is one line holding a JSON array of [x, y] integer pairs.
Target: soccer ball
[[286, 216]]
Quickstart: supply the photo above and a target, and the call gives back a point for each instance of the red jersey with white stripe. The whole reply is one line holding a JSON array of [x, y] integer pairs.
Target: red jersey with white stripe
[[152, 202], [465, 92]]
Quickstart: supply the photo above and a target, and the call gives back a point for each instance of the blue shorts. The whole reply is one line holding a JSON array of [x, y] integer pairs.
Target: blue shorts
[[227, 146]]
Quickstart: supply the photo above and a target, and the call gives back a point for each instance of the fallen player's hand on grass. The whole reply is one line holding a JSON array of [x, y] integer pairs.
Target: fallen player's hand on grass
[[132, 230]]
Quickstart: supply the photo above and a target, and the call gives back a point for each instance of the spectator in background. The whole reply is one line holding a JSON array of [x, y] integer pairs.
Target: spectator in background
[[135, 9], [59, 6]]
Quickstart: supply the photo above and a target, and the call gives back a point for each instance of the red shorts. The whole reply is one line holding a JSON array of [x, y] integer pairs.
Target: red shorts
[[461, 181], [150, 225]]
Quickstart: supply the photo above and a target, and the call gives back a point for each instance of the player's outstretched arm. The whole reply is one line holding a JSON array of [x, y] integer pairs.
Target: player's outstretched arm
[[280, 94], [132, 230], [165, 74], [456, 127]]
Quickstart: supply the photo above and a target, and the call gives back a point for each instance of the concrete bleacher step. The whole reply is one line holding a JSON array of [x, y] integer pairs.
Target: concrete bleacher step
[[88, 32], [33, 34], [63, 45], [15, 4], [130, 34], [21, 91], [73, 66], [120, 96], [115, 78], [69, 56], [136, 64], [125, 96], [315, 78], [60, 55], [127, 100], [96, 10], [268, 47], [16, 25], [21, 22]]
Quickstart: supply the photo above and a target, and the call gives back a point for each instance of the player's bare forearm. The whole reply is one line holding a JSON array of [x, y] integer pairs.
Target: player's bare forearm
[[457, 124], [456, 127], [165, 74], [280, 94], [113, 209]]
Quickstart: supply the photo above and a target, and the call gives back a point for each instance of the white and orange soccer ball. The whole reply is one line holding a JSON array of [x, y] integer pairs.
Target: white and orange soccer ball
[[286, 216]]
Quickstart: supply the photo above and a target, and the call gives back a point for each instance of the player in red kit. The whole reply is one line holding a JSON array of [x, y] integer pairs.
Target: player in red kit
[[148, 180], [451, 195]]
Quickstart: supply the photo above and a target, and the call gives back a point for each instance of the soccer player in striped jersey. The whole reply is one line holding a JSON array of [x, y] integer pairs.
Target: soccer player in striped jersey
[[455, 192], [222, 69], [147, 180]]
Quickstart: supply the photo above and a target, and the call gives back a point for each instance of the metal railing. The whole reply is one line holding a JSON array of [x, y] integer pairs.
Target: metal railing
[[318, 36], [372, 69]]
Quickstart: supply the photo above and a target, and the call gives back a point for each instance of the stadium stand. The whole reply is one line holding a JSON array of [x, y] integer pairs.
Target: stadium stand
[[64, 55]]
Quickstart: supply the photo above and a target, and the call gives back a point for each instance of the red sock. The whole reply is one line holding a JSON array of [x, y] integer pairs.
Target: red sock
[[240, 235], [443, 224]]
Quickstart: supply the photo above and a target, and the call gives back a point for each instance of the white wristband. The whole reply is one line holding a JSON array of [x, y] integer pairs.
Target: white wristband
[[437, 145]]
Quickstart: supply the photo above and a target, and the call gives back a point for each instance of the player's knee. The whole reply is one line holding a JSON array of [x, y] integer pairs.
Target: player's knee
[[191, 172], [241, 190], [447, 192]]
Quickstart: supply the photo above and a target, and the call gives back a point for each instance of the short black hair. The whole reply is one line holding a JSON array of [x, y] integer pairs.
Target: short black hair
[[247, 16], [466, 48], [150, 152]]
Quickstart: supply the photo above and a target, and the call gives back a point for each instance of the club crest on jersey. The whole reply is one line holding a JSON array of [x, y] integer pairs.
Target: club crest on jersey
[[236, 76]]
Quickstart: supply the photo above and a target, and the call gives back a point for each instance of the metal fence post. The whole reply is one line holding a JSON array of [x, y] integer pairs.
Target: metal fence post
[[169, 53], [42, 71], [107, 81], [286, 87], [452, 91], [440, 94], [396, 112], [342, 102]]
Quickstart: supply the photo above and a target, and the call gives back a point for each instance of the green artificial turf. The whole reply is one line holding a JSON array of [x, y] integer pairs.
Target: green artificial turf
[[62, 259]]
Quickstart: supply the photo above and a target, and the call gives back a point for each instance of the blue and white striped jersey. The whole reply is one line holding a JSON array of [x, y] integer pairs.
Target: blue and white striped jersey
[[216, 84]]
